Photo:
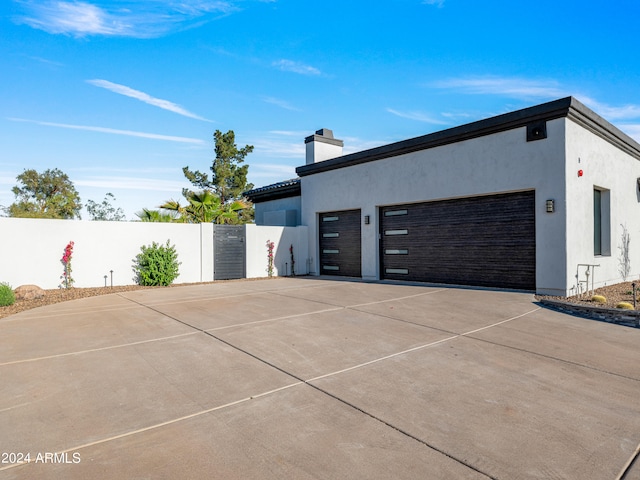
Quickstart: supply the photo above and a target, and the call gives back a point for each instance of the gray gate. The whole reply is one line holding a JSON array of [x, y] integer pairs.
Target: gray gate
[[229, 252]]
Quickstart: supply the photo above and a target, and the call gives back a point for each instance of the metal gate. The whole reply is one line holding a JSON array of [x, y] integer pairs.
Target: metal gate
[[229, 252]]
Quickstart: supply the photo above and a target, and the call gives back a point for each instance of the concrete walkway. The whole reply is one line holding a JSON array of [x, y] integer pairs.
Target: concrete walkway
[[303, 378]]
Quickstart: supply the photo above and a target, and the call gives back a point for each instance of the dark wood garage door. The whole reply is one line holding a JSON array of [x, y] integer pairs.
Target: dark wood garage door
[[484, 241], [340, 252]]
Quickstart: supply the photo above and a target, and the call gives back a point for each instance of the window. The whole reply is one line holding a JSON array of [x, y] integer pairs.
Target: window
[[394, 213], [597, 222], [601, 222]]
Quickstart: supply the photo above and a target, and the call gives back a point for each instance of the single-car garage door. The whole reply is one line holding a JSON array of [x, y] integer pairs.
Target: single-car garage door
[[340, 243], [484, 241]]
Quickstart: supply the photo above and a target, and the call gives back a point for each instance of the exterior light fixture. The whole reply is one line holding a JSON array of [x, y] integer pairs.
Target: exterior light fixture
[[550, 206], [367, 219]]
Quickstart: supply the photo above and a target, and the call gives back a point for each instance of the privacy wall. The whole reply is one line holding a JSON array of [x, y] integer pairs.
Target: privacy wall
[[31, 250]]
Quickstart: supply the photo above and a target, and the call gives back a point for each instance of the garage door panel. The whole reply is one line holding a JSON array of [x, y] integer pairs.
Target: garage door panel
[[340, 243], [485, 241]]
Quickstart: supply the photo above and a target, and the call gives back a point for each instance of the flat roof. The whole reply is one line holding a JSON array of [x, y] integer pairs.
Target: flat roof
[[565, 107]]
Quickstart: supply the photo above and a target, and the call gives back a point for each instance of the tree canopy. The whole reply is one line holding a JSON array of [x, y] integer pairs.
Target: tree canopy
[[105, 211], [219, 198], [45, 195], [228, 176]]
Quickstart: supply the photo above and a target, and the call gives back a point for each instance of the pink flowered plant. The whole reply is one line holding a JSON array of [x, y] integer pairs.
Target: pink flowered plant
[[270, 247], [293, 261], [67, 280]]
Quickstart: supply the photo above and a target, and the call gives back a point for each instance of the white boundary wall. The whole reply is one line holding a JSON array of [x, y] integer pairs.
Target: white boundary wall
[[31, 250], [283, 238]]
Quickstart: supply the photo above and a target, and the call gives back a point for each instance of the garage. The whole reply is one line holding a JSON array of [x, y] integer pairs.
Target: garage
[[340, 250], [482, 241]]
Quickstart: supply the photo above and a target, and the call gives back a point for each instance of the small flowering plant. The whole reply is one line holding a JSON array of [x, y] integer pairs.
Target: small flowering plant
[[67, 279], [270, 247], [293, 261]]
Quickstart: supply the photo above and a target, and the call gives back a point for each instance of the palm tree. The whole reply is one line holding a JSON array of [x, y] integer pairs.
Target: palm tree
[[231, 212], [202, 207], [177, 211], [147, 215]]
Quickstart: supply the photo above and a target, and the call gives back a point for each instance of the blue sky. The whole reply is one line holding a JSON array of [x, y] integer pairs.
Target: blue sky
[[120, 95]]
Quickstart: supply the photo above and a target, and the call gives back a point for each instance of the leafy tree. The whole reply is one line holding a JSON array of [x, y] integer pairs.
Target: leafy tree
[[45, 195], [105, 211], [228, 176]]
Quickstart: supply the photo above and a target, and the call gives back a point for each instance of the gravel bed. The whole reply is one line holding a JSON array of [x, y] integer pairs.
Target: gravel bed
[[620, 292]]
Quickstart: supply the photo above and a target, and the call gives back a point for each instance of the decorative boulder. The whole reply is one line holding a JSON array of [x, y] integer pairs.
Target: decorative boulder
[[28, 292]]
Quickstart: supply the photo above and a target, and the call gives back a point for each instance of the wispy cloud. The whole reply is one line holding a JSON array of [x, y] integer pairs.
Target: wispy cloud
[[274, 171], [419, 116], [533, 89], [296, 67], [141, 19], [270, 147], [145, 97], [437, 3], [280, 103], [633, 130], [291, 133], [44, 61], [506, 86], [624, 112], [130, 133], [130, 183]]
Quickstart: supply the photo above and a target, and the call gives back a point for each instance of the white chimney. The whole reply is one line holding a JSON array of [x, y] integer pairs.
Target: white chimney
[[322, 146]]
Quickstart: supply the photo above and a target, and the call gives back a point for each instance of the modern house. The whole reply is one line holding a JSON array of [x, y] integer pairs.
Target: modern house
[[540, 199]]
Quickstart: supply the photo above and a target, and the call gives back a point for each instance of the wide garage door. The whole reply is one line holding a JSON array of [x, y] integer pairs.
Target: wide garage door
[[484, 241], [340, 252]]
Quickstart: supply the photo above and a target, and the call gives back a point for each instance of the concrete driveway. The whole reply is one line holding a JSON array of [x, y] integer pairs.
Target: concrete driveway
[[306, 378]]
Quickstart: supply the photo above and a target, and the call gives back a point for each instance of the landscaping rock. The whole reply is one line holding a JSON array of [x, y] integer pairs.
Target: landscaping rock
[[29, 292]]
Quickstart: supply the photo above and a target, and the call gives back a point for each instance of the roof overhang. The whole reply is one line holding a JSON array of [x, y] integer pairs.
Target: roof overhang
[[276, 191]]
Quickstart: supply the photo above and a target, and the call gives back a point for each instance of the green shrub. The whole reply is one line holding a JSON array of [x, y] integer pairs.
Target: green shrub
[[156, 265], [599, 299], [7, 297]]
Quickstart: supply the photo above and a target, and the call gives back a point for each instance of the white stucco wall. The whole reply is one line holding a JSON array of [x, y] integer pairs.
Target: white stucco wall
[[283, 238], [606, 167], [502, 162], [31, 249]]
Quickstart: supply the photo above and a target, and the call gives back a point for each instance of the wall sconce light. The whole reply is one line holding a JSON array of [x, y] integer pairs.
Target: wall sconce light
[[550, 206], [367, 219]]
